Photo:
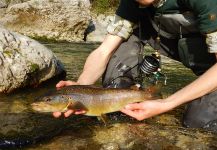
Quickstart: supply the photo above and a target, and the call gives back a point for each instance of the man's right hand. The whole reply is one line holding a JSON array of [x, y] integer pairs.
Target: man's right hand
[[62, 83], [59, 85]]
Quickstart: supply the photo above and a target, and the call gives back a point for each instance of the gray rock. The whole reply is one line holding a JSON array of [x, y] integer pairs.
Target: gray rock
[[3, 4], [60, 20], [24, 62], [97, 29], [7, 3], [13, 2]]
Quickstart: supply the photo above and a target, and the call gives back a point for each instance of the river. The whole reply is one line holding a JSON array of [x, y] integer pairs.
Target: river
[[41, 131]]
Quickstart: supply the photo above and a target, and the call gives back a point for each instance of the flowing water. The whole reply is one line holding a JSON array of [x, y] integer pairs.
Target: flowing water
[[20, 128]]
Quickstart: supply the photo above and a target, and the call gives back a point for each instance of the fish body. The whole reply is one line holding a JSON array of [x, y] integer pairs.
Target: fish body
[[96, 101]]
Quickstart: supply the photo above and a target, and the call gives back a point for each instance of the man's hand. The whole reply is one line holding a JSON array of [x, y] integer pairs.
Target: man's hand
[[62, 83], [146, 109], [68, 112]]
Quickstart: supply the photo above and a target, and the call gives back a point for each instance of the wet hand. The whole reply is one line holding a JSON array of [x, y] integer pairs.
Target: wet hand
[[146, 109], [68, 113], [65, 83], [59, 85]]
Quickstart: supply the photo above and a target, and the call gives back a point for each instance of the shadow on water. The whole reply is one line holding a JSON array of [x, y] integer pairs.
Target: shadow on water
[[42, 131]]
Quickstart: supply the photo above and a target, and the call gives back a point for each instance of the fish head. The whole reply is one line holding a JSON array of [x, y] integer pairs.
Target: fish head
[[52, 103]]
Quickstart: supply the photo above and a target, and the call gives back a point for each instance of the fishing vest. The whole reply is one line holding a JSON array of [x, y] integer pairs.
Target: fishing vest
[[173, 26]]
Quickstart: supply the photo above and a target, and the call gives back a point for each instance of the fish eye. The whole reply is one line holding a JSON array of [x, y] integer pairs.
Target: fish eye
[[47, 99]]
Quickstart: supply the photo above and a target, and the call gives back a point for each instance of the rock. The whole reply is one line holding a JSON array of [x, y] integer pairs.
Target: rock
[[110, 146], [20, 127], [97, 29], [24, 62], [11, 2], [3, 4], [126, 136], [59, 20]]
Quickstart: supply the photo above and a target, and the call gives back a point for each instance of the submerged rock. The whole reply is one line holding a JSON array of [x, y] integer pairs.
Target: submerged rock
[[131, 136], [24, 62], [19, 129], [59, 20]]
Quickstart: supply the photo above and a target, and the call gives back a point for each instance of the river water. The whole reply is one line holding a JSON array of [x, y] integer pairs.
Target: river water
[[41, 131]]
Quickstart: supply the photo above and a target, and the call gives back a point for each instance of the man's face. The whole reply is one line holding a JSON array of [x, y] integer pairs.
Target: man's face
[[145, 2]]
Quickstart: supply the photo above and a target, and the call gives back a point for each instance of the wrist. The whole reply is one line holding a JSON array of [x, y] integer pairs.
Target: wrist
[[84, 81], [171, 102]]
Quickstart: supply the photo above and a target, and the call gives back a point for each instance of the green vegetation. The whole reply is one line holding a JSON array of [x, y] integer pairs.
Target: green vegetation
[[8, 53], [104, 6], [34, 68]]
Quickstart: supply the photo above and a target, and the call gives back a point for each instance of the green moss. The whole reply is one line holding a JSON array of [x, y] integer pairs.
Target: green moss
[[43, 39], [104, 6], [8, 53], [34, 67]]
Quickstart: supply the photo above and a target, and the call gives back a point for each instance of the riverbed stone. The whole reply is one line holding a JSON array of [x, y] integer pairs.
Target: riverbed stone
[[132, 136], [24, 62], [58, 20]]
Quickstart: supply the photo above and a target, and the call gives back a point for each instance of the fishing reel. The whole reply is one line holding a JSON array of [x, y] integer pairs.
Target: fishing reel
[[150, 68]]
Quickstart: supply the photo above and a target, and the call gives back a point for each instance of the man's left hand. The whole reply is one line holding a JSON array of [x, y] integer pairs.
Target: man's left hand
[[146, 109]]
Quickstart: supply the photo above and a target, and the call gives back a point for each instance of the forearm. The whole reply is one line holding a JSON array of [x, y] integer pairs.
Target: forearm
[[205, 84], [97, 61]]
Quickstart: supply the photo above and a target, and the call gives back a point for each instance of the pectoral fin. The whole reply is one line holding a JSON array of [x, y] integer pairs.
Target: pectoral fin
[[104, 118], [77, 106]]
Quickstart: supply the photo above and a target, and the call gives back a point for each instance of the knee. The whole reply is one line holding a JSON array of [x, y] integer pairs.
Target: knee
[[201, 111]]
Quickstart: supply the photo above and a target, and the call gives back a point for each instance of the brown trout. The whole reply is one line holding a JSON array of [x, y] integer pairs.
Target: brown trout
[[94, 100]]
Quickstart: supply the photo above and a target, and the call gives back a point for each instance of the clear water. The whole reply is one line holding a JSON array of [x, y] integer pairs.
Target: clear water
[[160, 132]]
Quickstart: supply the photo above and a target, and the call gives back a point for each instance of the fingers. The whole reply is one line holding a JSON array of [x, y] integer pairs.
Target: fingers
[[68, 113], [134, 110], [134, 106], [80, 112], [57, 114], [138, 114], [65, 83]]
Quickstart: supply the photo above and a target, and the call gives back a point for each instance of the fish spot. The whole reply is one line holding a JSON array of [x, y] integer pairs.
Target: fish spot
[[212, 17]]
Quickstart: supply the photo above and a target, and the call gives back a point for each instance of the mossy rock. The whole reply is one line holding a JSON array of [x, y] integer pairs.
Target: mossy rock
[[104, 6]]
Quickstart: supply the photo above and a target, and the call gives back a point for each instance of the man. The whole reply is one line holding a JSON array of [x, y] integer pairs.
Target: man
[[188, 33]]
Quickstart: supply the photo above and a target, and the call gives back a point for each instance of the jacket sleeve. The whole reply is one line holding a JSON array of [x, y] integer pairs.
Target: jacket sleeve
[[120, 27], [211, 41], [206, 13]]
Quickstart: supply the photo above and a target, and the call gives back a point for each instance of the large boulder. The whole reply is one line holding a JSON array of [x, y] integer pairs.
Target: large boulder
[[24, 62], [60, 20]]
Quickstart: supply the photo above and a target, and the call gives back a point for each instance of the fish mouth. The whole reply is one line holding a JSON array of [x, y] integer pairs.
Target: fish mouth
[[41, 107], [44, 107]]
